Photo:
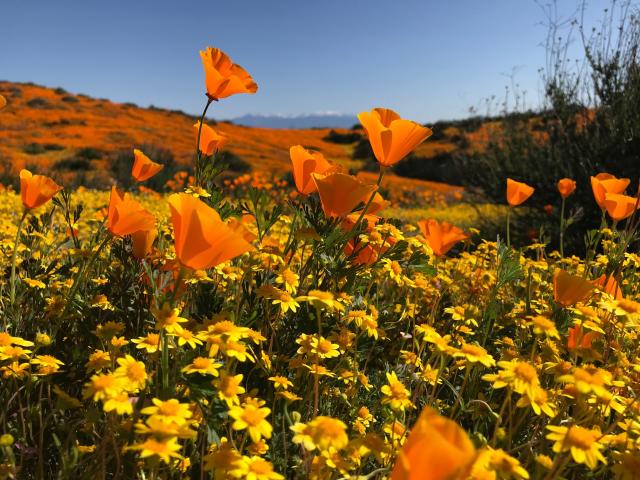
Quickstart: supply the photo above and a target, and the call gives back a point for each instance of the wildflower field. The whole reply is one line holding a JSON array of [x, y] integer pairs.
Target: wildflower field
[[250, 329]]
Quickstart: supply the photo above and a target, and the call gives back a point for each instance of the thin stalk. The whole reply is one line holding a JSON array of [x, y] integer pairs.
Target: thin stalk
[[14, 256], [562, 227], [508, 225], [204, 113], [86, 269]]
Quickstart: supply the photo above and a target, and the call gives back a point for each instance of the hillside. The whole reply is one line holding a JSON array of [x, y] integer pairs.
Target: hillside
[[46, 128]]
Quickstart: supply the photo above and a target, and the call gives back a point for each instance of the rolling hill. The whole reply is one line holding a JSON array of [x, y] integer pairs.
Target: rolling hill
[[47, 129]]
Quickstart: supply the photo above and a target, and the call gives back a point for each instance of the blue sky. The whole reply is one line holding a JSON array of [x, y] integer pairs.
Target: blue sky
[[427, 59]]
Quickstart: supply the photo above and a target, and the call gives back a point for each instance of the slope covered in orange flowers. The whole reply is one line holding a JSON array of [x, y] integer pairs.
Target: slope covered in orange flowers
[[62, 122]]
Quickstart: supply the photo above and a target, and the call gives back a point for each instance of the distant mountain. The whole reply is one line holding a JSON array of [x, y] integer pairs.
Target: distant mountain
[[316, 120]]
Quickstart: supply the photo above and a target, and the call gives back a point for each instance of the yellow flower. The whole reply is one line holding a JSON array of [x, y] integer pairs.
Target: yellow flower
[[168, 319], [132, 372], [229, 388], [281, 382], [539, 403], [522, 377], [169, 411], [120, 403], [47, 364], [289, 279], [589, 379], [395, 393], [6, 340], [254, 468], [252, 416], [320, 299], [103, 386], [544, 326], [150, 343], [164, 449], [475, 354], [98, 360], [323, 348], [581, 442], [323, 433], [202, 365], [187, 337]]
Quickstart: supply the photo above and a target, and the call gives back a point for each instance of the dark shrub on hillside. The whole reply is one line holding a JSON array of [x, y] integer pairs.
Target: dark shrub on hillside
[[590, 124], [436, 169], [90, 153], [233, 162], [362, 150], [73, 164], [37, 148], [69, 99], [39, 102], [342, 138]]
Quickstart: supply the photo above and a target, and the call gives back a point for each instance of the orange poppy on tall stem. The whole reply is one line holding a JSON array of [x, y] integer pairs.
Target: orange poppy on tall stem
[[518, 192], [143, 167], [210, 140], [36, 190], [570, 289], [437, 449], [620, 206], [391, 137], [604, 183], [377, 204], [579, 339], [341, 193], [126, 216], [566, 187], [202, 239], [441, 236], [224, 78], [305, 162], [142, 242], [609, 284]]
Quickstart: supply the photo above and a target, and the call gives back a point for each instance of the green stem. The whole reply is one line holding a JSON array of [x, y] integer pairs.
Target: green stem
[[14, 256], [85, 270], [562, 227], [508, 227], [356, 226], [198, 153], [165, 365]]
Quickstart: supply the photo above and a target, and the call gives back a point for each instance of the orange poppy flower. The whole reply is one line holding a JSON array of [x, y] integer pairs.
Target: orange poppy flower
[[3, 102], [604, 183], [210, 140], [340, 193], [202, 239], [441, 237], [570, 289], [142, 242], [224, 78], [392, 138], [620, 206], [609, 284], [240, 228], [126, 216], [566, 187], [437, 449], [377, 204], [305, 162], [143, 168], [36, 190], [518, 192], [578, 339]]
